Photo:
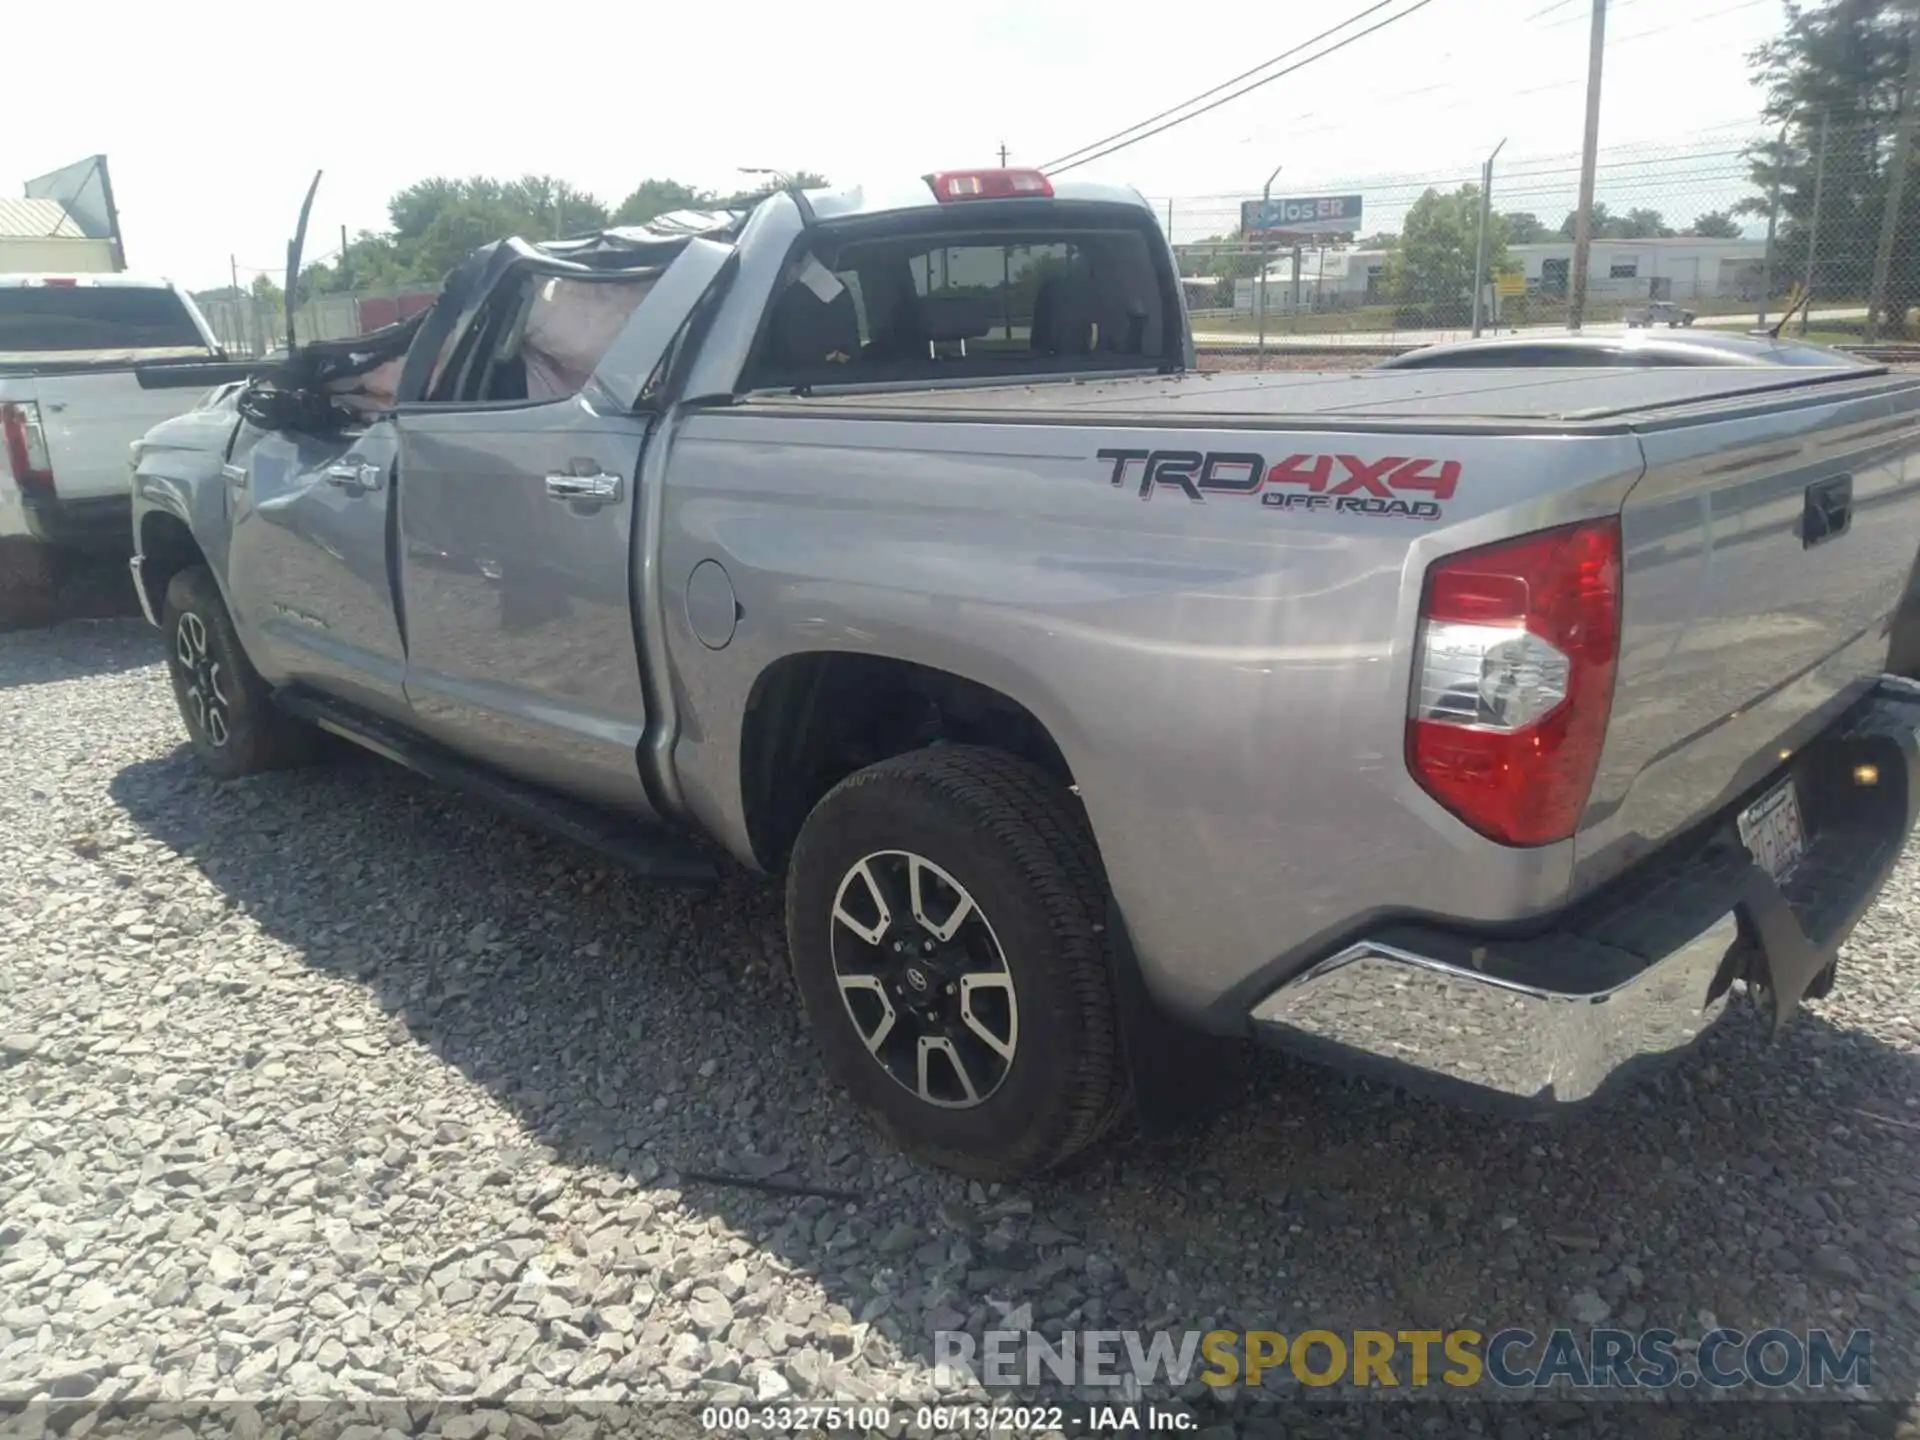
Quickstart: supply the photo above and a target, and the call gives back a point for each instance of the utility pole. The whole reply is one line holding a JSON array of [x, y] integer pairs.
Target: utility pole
[[1813, 229], [1266, 199], [1003, 154], [1773, 223], [1589, 155], [1896, 182], [237, 324], [1480, 243], [343, 258]]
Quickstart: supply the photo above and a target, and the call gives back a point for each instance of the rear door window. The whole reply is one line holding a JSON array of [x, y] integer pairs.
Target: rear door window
[[48, 318]]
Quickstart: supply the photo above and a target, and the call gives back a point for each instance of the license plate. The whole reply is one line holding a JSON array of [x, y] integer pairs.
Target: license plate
[[1771, 830]]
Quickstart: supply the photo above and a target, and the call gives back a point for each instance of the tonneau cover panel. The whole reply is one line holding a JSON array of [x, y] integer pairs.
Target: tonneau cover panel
[[1582, 397]]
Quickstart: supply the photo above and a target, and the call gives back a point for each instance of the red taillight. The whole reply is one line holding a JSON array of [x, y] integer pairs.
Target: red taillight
[[26, 445], [54, 284], [988, 184], [1513, 680]]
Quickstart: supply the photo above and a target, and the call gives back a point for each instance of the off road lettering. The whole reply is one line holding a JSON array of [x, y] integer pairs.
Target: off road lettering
[[1368, 477], [1293, 482], [1308, 470]]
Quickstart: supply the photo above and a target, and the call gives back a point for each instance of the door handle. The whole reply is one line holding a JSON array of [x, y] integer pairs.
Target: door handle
[[356, 477], [601, 487]]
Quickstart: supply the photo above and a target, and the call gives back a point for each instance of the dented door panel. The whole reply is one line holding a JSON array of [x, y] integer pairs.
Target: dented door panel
[[307, 569]]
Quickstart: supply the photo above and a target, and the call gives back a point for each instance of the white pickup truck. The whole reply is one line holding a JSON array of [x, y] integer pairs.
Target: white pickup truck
[[88, 364]]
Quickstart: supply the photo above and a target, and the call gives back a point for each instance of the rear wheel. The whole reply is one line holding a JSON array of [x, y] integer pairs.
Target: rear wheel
[[946, 918], [229, 711]]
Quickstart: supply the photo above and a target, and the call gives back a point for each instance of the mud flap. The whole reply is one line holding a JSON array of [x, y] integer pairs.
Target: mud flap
[[1176, 1074]]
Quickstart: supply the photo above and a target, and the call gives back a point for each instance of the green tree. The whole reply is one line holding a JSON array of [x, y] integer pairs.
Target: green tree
[[1638, 224], [1716, 225], [1601, 219], [1379, 240], [653, 198], [1846, 59], [1225, 257], [1641, 225], [796, 180], [1525, 228], [1431, 271], [437, 222]]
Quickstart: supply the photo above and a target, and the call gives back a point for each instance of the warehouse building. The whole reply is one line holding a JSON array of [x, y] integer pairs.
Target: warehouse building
[[40, 237], [1683, 267]]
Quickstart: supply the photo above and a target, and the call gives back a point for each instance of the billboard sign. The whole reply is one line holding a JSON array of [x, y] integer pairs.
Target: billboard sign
[[1300, 217]]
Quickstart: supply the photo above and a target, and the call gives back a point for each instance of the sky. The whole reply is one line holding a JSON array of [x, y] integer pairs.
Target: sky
[[606, 94]]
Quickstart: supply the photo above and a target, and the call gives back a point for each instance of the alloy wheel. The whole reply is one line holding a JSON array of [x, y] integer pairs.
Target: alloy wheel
[[924, 979], [205, 697]]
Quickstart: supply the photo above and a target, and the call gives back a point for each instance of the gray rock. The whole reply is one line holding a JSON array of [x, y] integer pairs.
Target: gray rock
[[709, 1310], [1587, 1307], [325, 1084]]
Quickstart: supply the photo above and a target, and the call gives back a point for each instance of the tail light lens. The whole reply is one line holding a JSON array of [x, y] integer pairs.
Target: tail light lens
[[1513, 680], [26, 445]]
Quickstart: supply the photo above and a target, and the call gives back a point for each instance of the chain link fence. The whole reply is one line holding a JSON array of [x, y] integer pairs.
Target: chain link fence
[[251, 326], [1727, 230]]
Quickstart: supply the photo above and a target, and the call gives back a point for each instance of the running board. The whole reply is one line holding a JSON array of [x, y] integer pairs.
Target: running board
[[655, 854]]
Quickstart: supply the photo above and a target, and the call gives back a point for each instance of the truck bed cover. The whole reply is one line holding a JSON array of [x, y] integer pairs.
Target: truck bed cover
[[1585, 399]]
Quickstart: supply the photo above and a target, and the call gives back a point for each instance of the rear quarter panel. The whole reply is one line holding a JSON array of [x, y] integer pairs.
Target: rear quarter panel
[[1226, 679]]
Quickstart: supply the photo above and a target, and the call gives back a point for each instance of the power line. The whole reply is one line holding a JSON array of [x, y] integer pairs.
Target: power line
[[1245, 89], [1204, 94]]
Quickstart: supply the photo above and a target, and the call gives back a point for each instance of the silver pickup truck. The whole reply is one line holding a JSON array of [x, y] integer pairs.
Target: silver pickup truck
[[1489, 730]]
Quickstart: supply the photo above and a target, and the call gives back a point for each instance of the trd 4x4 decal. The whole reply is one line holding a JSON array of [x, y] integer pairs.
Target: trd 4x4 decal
[[1344, 484]]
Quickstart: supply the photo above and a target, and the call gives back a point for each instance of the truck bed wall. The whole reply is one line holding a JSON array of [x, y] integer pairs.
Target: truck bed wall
[[1227, 679]]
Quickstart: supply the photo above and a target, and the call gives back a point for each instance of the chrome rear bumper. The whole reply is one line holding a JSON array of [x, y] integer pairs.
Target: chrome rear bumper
[[1516, 1040], [1633, 975]]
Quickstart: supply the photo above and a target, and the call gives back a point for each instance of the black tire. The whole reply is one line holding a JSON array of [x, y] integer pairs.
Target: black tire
[[231, 719], [29, 583], [1018, 843]]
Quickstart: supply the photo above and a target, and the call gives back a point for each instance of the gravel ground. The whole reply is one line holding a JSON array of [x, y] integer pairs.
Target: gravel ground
[[336, 1085]]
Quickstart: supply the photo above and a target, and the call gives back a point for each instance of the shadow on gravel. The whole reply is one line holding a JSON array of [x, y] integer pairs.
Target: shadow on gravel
[[651, 1032], [75, 648], [86, 587]]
